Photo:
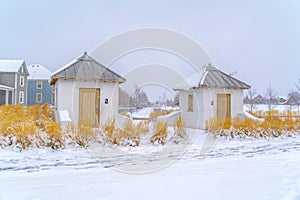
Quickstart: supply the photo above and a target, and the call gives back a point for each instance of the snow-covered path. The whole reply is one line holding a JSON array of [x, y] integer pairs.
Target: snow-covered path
[[251, 169]]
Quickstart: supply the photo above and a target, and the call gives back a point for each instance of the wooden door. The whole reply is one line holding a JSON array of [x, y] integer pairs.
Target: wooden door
[[89, 106], [223, 106]]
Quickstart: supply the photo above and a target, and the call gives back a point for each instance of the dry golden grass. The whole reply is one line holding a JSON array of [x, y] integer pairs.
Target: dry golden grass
[[275, 114], [143, 127], [275, 124], [214, 125], [83, 133], [160, 133], [180, 128], [129, 135], [157, 113], [54, 135], [109, 132], [27, 124]]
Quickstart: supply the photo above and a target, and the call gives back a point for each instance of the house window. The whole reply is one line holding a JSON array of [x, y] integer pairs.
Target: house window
[[39, 85], [22, 81], [21, 97], [10, 97], [39, 98], [2, 97], [190, 103]]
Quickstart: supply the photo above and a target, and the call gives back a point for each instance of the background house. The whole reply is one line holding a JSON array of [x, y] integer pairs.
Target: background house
[[217, 95], [13, 82], [87, 90], [39, 89]]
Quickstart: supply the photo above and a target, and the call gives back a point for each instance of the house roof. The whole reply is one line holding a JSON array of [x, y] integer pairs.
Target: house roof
[[213, 77], [85, 68], [38, 72], [10, 65]]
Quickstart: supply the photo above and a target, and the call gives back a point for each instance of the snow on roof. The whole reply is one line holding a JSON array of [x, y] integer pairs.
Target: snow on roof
[[283, 97], [38, 72], [10, 65], [85, 67]]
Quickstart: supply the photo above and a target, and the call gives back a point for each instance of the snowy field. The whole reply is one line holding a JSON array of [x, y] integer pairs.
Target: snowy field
[[280, 108], [231, 169]]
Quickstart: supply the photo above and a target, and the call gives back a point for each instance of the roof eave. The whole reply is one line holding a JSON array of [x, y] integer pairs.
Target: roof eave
[[226, 87], [55, 79]]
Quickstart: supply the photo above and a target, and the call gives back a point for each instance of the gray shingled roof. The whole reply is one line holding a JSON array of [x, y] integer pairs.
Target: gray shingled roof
[[85, 68], [213, 77]]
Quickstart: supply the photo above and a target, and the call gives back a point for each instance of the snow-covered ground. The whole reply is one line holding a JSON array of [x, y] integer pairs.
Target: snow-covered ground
[[280, 108], [145, 112], [233, 169]]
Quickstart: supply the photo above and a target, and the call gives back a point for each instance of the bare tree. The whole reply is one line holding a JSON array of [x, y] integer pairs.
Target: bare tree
[[298, 84], [298, 87], [123, 98], [294, 99], [176, 99], [139, 99], [251, 101], [271, 97]]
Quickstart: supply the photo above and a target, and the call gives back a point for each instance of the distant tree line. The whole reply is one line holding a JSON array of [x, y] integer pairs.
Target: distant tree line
[[271, 99], [139, 99]]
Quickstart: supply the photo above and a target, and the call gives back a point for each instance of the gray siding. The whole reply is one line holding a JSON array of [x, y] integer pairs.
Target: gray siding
[[22, 88], [8, 79]]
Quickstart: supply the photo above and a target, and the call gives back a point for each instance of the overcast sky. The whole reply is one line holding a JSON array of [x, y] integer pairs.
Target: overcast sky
[[260, 39]]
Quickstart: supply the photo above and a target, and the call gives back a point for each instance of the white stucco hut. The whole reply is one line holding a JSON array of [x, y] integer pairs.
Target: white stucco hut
[[87, 90], [216, 95]]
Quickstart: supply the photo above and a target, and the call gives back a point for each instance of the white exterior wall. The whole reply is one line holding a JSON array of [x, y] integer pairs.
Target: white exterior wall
[[203, 110], [193, 118], [67, 96], [170, 118]]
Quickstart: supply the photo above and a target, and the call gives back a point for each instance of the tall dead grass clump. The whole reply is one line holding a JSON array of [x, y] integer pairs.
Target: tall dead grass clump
[[143, 127], [180, 128], [128, 135], [83, 133], [216, 125], [54, 135], [160, 133], [110, 133]]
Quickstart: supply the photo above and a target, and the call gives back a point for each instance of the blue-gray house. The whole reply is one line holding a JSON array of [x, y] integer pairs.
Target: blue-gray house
[[39, 89]]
